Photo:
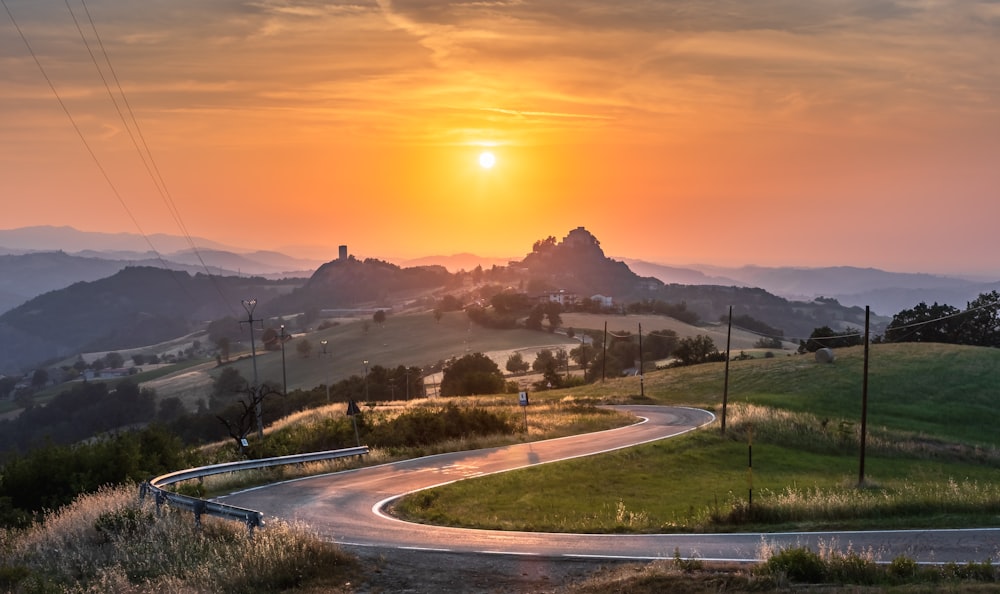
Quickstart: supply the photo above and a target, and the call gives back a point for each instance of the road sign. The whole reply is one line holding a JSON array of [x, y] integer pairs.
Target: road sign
[[352, 409], [523, 398]]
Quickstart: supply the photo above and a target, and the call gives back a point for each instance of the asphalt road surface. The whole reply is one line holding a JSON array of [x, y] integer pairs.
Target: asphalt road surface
[[346, 508]]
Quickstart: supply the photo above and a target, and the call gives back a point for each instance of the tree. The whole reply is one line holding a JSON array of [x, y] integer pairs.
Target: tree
[[659, 344], [550, 377], [552, 310], [923, 323], [826, 337], [222, 343], [562, 358], [543, 359], [980, 324], [270, 339], [303, 347], [470, 375], [114, 360], [379, 317], [697, 349], [534, 321], [39, 379], [544, 245], [227, 327], [228, 382], [517, 364]]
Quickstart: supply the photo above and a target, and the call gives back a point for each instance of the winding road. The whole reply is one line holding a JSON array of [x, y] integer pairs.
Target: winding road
[[346, 508]]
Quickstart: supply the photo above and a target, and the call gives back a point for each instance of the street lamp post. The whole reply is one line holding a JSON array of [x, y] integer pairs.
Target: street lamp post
[[326, 370], [284, 374], [365, 362]]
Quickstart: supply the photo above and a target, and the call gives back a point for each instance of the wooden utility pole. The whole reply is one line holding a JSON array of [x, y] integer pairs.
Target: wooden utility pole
[[864, 403], [725, 385]]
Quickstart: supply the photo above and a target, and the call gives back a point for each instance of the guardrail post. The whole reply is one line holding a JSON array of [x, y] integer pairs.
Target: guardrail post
[[253, 521], [199, 508], [160, 500]]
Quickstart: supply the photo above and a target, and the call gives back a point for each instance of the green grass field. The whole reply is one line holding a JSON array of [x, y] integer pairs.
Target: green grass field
[[932, 455]]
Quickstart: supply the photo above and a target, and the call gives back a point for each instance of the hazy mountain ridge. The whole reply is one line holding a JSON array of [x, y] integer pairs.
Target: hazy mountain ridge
[[136, 306], [886, 292], [67, 239], [111, 313], [25, 276]]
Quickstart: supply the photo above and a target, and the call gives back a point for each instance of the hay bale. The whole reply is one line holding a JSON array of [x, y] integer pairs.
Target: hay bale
[[825, 356]]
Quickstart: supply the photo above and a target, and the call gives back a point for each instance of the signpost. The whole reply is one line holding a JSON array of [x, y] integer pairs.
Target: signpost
[[523, 400], [353, 411]]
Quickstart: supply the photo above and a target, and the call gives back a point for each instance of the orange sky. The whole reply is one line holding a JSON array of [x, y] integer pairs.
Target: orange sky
[[778, 132]]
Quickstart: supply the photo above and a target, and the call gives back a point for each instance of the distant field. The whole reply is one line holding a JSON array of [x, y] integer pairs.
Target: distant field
[[415, 340], [741, 339], [409, 340]]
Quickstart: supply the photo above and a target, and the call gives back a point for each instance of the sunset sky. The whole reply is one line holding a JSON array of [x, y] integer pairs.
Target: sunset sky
[[773, 132]]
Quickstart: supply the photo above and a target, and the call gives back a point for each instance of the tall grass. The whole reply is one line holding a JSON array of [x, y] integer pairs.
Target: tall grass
[[110, 542]]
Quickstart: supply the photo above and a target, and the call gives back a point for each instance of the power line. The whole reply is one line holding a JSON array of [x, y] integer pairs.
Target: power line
[[79, 132], [145, 154]]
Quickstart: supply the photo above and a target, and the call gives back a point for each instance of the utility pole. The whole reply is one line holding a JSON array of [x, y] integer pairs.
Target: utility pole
[[250, 305], [642, 384], [284, 375], [325, 370], [365, 362], [604, 355], [725, 385], [864, 404]]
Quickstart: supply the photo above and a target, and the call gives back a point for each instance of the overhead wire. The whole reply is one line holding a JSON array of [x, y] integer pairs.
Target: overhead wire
[[145, 154], [79, 132]]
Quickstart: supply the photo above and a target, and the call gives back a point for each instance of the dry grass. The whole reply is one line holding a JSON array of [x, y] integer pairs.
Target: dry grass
[[110, 542], [546, 419]]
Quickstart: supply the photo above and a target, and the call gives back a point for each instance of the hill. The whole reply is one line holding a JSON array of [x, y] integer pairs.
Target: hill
[[142, 305], [885, 292], [133, 307]]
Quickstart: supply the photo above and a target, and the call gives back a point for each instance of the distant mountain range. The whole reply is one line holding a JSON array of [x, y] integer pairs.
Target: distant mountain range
[[886, 293], [36, 260], [58, 303]]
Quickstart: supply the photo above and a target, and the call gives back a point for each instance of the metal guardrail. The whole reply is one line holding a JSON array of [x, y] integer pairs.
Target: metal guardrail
[[252, 518]]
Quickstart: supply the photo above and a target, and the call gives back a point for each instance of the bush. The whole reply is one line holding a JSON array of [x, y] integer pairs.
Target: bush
[[798, 564]]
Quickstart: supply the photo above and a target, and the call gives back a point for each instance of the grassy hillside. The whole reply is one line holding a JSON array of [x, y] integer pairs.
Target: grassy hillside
[[410, 340], [417, 340], [932, 452]]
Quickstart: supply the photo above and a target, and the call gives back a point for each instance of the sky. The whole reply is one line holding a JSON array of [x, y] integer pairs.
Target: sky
[[772, 133]]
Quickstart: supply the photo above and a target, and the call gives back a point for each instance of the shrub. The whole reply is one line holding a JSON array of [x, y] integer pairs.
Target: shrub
[[798, 564]]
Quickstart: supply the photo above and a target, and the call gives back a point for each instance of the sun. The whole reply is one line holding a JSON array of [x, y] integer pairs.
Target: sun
[[487, 160]]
